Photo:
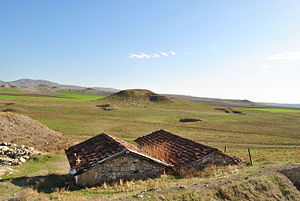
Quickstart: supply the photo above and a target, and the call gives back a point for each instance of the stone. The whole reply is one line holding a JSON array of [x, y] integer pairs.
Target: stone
[[15, 162], [22, 160], [116, 168], [132, 167], [126, 167]]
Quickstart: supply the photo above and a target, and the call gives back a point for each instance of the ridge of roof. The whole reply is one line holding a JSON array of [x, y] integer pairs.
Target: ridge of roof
[[98, 149], [183, 150], [136, 150], [172, 134]]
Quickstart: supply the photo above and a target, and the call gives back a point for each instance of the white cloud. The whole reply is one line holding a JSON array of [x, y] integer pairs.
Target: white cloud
[[148, 56], [155, 55], [173, 53], [285, 57], [164, 54], [139, 56], [145, 55]]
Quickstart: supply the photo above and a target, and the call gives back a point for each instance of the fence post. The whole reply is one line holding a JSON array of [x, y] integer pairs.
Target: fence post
[[225, 149], [251, 163]]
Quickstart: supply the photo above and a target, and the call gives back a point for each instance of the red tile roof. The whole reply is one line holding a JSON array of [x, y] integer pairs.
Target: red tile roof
[[99, 149], [180, 150]]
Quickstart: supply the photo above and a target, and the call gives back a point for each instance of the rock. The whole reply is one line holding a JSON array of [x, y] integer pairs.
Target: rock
[[132, 167], [22, 160], [15, 162], [19, 153], [26, 157]]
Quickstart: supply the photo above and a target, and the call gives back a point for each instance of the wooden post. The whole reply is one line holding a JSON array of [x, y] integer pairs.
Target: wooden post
[[225, 149], [251, 163]]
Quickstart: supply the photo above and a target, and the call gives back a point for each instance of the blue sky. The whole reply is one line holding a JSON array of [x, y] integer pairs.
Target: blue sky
[[219, 48]]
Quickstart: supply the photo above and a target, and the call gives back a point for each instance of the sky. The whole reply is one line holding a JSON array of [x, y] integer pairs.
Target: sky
[[219, 48]]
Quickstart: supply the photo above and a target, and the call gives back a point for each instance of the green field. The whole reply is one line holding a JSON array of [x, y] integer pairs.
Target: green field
[[63, 96], [276, 110], [10, 91], [273, 138], [79, 96]]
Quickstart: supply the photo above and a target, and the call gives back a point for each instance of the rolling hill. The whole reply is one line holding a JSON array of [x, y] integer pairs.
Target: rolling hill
[[52, 88], [136, 97]]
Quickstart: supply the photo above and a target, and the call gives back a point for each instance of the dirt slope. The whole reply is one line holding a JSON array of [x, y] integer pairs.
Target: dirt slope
[[21, 129]]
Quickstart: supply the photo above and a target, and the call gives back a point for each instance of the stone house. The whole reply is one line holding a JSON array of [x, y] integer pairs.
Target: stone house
[[104, 158], [182, 152]]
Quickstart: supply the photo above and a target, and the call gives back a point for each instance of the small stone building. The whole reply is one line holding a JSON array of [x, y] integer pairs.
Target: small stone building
[[104, 158], [182, 152]]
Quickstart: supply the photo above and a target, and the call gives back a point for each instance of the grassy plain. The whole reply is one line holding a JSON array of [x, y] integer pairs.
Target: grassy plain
[[276, 110], [63, 96], [10, 91], [273, 138]]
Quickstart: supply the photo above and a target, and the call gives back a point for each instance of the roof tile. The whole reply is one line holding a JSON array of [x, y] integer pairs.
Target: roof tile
[[98, 149], [179, 150]]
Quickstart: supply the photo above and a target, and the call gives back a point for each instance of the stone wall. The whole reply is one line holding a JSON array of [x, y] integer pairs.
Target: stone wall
[[215, 158], [126, 167]]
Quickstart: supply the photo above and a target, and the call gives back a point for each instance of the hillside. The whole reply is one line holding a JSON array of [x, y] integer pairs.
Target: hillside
[[272, 137], [52, 88], [136, 97], [21, 129], [35, 83], [216, 101]]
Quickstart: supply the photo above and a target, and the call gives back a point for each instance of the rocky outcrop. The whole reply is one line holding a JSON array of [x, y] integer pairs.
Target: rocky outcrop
[[229, 110], [107, 107], [13, 154]]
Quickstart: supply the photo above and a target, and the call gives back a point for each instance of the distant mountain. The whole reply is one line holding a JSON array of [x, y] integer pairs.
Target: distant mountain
[[34, 83], [216, 101], [234, 102], [297, 106]]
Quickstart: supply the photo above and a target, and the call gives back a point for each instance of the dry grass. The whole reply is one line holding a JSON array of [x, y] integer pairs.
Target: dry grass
[[159, 151], [272, 137], [210, 171], [269, 187], [21, 129], [29, 194]]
